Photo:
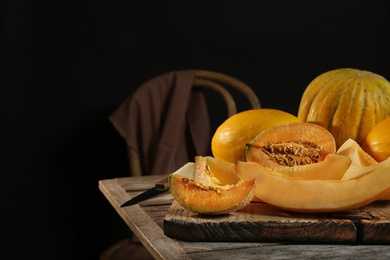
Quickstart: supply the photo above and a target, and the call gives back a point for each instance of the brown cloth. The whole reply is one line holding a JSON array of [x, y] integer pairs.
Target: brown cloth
[[166, 121]]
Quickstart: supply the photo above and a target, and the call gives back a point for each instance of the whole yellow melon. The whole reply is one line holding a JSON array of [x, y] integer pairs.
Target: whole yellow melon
[[348, 102], [230, 139]]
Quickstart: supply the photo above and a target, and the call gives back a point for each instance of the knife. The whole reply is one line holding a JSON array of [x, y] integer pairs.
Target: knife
[[159, 188]]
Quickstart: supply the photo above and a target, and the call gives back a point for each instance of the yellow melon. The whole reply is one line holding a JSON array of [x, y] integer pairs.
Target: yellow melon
[[377, 142], [348, 102], [230, 138]]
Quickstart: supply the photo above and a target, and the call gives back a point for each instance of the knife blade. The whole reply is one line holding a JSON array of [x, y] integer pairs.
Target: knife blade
[[159, 188]]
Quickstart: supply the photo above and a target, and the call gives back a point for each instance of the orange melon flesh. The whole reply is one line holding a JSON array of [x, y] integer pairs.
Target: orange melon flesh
[[200, 199], [214, 172], [288, 134], [354, 151], [224, 171], [333, 167], [317, 196], [362, 162], [354, 171]]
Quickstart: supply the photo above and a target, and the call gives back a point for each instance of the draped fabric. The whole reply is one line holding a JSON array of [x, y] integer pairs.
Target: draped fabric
[[166, 121]]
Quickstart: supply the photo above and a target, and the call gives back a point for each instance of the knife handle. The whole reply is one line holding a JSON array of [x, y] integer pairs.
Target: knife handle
[[162, 185]]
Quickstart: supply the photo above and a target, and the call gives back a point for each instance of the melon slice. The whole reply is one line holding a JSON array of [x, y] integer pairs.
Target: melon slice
[[316, 195], [299, 150], [213, 172], [356, 153], [197, 189], [356, 172], [333, 167], [186, 170], [224, 171], [210, 200], [362, 163]]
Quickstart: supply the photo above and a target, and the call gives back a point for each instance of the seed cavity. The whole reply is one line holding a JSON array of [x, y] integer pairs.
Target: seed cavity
[[293, 153]]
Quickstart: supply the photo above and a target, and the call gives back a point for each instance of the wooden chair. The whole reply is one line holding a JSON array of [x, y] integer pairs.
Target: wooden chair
[[210, 80], [218, 82]]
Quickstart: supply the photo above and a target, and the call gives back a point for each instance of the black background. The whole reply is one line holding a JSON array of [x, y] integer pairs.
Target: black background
[[66, 65]]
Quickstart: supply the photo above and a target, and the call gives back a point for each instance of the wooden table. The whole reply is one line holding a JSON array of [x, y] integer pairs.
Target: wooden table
[[146, 222]]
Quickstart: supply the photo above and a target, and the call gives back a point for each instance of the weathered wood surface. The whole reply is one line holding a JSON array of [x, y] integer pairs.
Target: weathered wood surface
[[143, 226], [257, 222], [146, 221], [260, 222]]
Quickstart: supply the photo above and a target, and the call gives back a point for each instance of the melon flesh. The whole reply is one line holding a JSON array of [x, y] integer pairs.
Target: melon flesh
[[332, 168], [355, 152], [210, 186], [210, 200], [213, 172], [224, 171], [316, 195], [362, 163]]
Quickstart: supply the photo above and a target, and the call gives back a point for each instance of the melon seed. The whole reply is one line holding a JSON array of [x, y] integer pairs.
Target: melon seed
[[293, 153]]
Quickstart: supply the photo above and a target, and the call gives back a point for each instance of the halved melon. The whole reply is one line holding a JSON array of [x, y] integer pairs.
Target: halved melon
[[333, 167], [316, 195], [290, 145], [210, 200], [299, 150]]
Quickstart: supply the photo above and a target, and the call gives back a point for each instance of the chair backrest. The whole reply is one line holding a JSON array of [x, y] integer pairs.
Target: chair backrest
[[215, 81], [219, 81]]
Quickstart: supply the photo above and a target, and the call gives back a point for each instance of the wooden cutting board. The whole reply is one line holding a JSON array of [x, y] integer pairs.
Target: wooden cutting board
[[259, 222]]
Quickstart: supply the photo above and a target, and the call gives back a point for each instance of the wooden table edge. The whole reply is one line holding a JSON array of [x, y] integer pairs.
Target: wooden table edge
[[161, 246]]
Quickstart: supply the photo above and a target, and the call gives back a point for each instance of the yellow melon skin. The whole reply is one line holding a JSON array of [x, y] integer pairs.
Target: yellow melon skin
[[317, 196], [377, 142], [230, 139], [348, 102], [210, 200]]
